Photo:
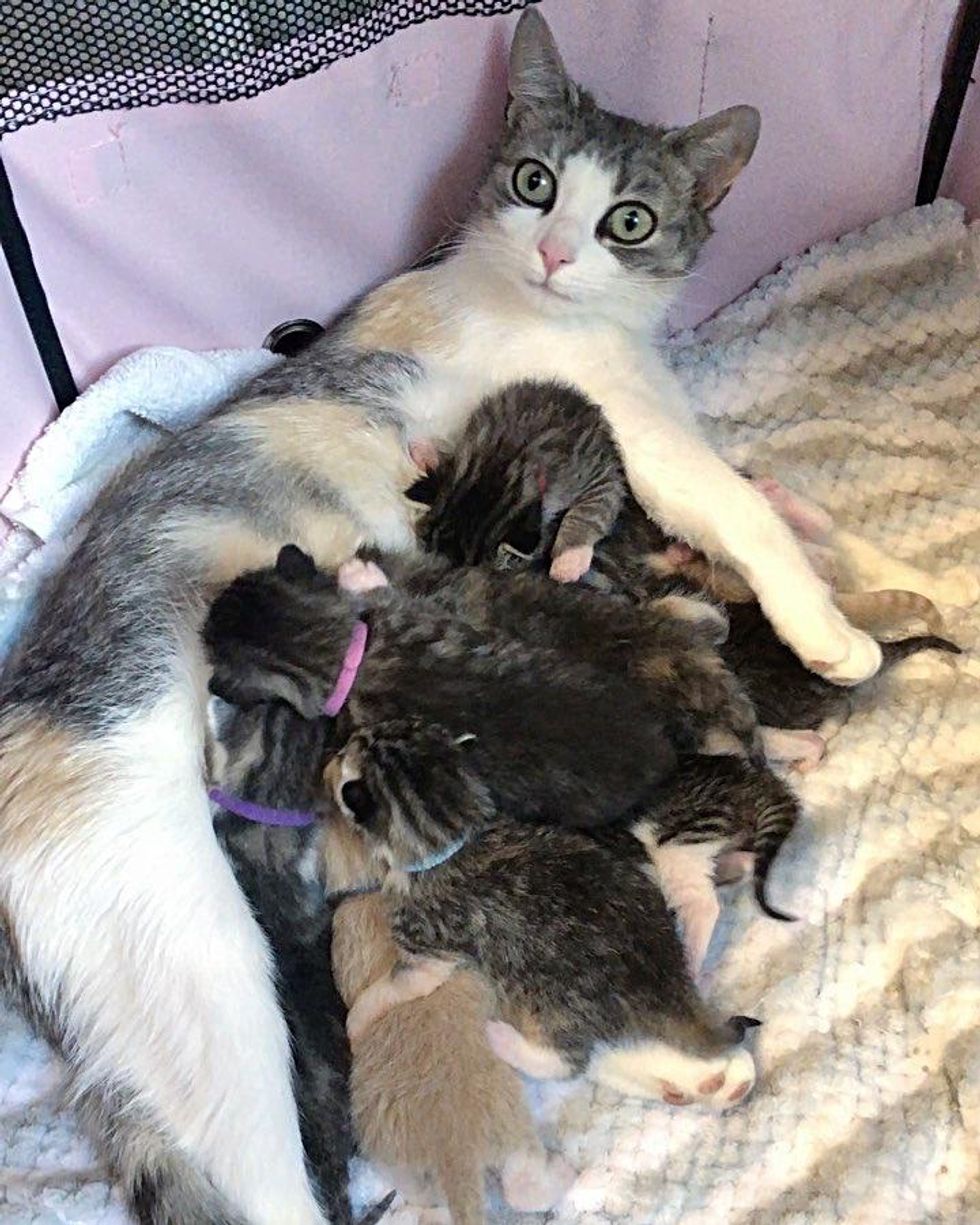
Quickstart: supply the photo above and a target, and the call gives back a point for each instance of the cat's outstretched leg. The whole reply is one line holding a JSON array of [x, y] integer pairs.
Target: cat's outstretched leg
[[137, 949], [686, 875], [696, 496]]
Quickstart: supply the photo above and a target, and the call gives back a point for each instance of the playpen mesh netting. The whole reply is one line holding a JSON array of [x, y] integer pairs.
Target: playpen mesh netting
[[62, 58]]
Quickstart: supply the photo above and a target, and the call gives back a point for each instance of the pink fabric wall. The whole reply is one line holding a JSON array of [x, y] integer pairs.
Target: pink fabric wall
[[205, 226], [962, 179]]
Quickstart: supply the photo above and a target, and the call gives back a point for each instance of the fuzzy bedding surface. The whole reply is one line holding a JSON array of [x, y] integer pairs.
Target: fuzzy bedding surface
[[853, 374]]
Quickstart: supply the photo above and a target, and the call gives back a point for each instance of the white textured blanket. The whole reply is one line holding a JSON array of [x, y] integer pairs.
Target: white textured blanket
[[854, 375]]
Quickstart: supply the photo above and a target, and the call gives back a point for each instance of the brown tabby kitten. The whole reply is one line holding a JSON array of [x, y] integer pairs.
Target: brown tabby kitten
[[431, 1103], [537, 451], [575, 936]]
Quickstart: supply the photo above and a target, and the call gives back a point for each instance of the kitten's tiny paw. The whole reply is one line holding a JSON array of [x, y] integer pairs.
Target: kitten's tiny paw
[[533, 1182], [803, 749], [809, 521], [679, 553], [360, 576], [538, 1062], [570, 565]]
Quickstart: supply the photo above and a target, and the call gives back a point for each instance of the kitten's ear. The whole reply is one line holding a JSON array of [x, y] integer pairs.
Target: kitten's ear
[[358, 800], [537, 75], [294, 565], [220, 715], [715, 150]]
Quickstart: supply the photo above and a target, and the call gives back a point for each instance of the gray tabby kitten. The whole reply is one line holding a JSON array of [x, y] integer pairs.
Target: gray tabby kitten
[[268, 756], [536, 454], [576, 936], [105, 833], [558, 739]]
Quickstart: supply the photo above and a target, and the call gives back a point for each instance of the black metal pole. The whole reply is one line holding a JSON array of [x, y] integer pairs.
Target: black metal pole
[[961, 56], [33, 299]]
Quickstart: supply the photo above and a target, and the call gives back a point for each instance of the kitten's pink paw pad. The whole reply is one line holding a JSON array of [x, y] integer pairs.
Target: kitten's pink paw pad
[[359, 576], [569, 566], [806, 518], [712, 1084], [679, 554], [805, 750], [673, 1096], [740, 1091], [534, 1183]]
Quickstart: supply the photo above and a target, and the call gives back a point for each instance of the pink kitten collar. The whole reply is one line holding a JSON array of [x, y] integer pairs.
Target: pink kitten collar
[[348, 670], [332, 707]]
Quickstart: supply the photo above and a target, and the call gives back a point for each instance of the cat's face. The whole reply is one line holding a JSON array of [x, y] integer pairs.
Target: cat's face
[[587, 212], [408, 786]]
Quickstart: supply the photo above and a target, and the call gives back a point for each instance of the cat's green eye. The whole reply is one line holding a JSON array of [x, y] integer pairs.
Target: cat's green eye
[[628, 223], [534, 184]]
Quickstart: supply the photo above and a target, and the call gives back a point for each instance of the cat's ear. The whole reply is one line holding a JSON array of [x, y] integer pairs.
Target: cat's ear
[[537, 76], [715, 150], [294, 565]]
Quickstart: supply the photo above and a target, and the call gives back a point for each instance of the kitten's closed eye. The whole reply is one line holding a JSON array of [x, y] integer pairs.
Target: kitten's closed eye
[[358, 800]]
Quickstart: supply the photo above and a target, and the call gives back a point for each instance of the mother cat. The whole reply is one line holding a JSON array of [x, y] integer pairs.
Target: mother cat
[[126, 936]]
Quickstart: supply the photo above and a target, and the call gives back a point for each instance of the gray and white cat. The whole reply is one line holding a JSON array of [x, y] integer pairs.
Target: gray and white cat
[[176, 1042]]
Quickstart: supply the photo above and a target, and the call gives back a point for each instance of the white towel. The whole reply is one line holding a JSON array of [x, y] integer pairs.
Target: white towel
[[149, 392]]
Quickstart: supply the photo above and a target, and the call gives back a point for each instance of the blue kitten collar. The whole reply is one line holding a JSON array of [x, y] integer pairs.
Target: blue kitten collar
[[436, 858]]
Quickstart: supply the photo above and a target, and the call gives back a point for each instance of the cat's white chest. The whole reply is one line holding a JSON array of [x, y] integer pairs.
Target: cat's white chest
[[624, 376]]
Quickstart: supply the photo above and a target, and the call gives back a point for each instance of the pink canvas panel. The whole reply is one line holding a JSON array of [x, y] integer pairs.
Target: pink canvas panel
[[206, 225]]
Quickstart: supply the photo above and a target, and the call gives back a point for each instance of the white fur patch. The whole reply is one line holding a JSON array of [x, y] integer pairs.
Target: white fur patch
[[135, 929]]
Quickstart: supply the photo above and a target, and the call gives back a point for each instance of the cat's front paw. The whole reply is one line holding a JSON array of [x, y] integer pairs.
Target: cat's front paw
[[861, 660], [570, 565], [829, 645]]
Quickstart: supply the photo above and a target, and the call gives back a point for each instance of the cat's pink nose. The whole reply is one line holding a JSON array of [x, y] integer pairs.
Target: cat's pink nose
[[553, 254]]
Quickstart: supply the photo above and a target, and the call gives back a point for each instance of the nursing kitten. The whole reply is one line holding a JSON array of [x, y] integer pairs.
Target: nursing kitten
[[557, 739], [575, 936], [500, 498], [585, 223], [270, 757], [717, 819], [426, 1093], [432, 1105]]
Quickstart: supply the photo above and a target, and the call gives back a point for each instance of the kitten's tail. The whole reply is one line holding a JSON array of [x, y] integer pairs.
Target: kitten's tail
[[894, 652], [461, 1177], [373, 1215], [872, 610], [773, 826]]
